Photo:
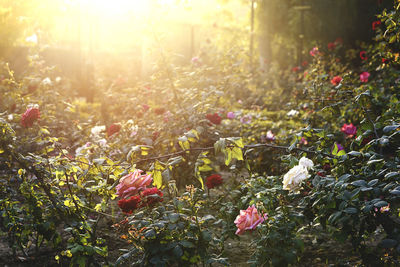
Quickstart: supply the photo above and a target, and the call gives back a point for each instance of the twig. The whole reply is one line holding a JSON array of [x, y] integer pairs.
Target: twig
[[246, 147], [72, 196]]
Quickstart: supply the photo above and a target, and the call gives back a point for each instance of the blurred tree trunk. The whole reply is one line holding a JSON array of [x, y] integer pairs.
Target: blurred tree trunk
[[279, 24]]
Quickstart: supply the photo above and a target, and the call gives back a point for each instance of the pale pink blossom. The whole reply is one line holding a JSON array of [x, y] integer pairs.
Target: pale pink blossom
[[230, 115], [249, 219], [246, 119], [270, 136], [133, 183]]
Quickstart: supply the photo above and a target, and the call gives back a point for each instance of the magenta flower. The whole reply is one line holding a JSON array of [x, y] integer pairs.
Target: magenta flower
[[349, 129], [303, 141], [131, 184], [364, 76], [248, 219], [339, 146], [231, 115]]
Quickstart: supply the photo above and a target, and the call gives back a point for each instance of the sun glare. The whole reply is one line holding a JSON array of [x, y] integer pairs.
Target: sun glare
[[117, 7]]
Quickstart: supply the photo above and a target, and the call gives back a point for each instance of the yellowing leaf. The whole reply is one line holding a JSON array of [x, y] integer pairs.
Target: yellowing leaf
[[68, 203], [205, 168], [239, 143], [228, 156], [184, 145], [237, 153], [157, 176], [157, 179], [97, 207]]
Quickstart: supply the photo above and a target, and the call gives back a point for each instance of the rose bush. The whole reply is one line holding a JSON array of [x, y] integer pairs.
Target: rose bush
[[63, 179]]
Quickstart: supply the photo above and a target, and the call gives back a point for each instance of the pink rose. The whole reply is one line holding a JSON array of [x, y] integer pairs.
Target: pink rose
[[231, 115], [29, 117], [249, 219], [314, 51], [349, 129], [132, 183], [145, 107], [364, 77]]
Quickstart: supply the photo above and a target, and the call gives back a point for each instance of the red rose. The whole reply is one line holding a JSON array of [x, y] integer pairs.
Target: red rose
[[349, 129], [295, 69], [375, 24], [128, 205], [331, 46], [30, 116], [305, 63], [213, 181], [336, 80], [114, 128], [214, 118], [339, 40], [149, 193], [363, 55]]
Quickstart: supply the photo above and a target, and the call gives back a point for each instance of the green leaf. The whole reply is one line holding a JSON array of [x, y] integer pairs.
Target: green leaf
[[333, 218], [173, 217], [350, 210], [391, 175], [187, 244], [390, 128], [373, 182], [359, 183], [381, 204], [178, 252]]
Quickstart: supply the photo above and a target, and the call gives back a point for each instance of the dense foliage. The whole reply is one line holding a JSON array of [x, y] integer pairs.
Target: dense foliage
[[176, 166]]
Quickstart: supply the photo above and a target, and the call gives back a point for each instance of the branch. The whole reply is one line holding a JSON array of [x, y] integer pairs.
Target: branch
[[246, 147]]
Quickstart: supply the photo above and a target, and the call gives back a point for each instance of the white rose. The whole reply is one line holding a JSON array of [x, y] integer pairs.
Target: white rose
[[306, 162], [46, 81], [96, 130], [294, 177], [292, 113]]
